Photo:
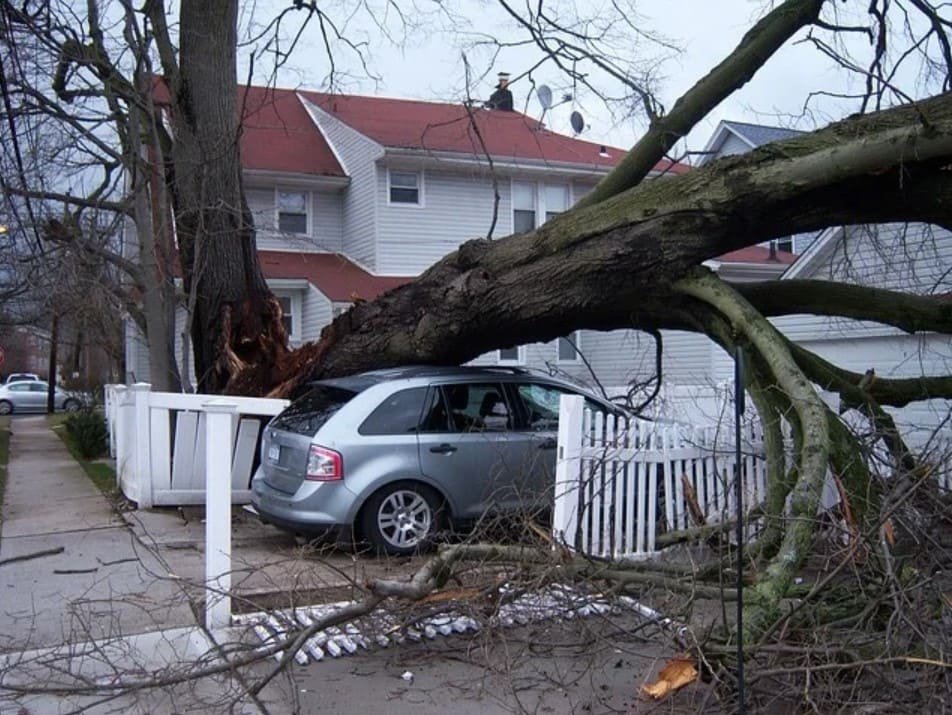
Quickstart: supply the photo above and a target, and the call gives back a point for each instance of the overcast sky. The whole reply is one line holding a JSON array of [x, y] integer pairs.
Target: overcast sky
[[429, 65]]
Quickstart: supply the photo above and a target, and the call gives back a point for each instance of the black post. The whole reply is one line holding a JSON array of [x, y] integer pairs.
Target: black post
[[739, 408]]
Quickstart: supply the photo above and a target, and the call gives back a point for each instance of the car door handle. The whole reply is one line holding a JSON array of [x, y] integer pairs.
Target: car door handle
[[443, 449], [548, 443]]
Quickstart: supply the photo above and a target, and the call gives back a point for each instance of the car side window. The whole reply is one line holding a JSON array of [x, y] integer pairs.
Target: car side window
[[436, 415], [540, 404], [19, 387], [476, 407], [397, 414], [38, 387]]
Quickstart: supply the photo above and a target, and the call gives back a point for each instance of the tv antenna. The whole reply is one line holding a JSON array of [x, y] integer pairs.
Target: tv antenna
[[544, 95]]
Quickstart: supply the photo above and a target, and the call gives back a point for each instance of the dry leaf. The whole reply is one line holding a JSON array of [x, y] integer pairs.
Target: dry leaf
[[456, 594], [889, 532], [676, 673]]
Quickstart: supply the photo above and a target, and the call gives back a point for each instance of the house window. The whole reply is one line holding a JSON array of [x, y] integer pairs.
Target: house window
[[568, 348], [292, 211], [556, 199], [531, 200], [511, 356], [404, 187], [290, 315], [523, 207]]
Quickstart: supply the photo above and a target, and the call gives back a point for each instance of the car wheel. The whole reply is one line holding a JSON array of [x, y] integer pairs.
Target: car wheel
[[71, 405], [6, 407], [402, 518]]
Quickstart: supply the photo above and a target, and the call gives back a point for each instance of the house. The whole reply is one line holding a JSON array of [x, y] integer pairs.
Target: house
[[353, 195], [914, 258]]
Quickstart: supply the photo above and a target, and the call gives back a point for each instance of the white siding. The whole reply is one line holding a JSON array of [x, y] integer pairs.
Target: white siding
[[324, 220], [357, 154], [315, 314], [137, 354], [733, 145], [916, 259], [455, 208]]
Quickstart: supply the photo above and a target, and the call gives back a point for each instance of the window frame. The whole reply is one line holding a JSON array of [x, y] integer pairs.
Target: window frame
[[420, 183], [278, 190], [520, 356], [576, 337], [539, 208], [296, 303]]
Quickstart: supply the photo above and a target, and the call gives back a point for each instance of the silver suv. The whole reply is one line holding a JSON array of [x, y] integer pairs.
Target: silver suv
[[398, 454]]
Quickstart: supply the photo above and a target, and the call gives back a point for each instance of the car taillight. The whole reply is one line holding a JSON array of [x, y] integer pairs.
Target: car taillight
[[324, 465]]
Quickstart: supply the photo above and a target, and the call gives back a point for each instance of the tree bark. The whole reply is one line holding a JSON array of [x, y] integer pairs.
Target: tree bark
[[236, 320]]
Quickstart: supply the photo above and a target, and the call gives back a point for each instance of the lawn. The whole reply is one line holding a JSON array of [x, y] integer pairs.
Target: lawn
[[100, 472]]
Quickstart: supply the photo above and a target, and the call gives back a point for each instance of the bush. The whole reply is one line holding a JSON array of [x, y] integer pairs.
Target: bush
[[88, 431]]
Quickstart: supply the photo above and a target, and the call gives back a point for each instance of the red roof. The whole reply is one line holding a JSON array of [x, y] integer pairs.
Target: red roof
[[757, 254], [335, 276], [278, 134], [434, 126]]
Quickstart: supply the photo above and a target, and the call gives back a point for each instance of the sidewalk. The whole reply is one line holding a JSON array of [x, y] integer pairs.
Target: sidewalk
[[94, 581], [100, 599]]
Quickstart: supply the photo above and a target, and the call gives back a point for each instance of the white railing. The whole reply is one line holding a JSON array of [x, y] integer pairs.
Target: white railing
[[620, 482], [158, 440]]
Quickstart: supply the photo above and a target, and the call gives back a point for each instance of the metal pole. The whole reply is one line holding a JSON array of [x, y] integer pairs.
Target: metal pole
[[739, 408]]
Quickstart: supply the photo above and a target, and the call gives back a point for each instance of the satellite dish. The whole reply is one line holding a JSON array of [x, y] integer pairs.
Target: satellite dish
[[545, 96], [577, 122]]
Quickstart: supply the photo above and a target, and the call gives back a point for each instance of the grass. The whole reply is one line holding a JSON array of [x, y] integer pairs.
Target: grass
[[100, 473], [4, 455]]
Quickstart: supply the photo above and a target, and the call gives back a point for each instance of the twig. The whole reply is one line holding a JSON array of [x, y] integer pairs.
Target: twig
[[34, 555]]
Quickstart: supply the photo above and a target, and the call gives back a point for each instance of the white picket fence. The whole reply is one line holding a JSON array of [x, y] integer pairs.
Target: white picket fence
[[158, 440], [620, 482]]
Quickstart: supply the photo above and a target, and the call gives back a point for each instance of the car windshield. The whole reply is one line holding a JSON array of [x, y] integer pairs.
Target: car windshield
[[308, 413]]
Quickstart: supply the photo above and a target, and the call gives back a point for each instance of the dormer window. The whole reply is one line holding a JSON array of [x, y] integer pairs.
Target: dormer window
[[292, 211], [405, 187]]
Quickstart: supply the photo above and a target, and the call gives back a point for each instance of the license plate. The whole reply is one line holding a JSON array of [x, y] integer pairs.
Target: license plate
[[274, 452]]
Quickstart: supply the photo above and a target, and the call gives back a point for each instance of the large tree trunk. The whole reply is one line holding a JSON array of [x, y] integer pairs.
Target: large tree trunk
[[235, 319]]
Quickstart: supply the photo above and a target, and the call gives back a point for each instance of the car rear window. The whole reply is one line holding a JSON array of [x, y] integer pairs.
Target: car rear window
[[308, 413], [397, 414]]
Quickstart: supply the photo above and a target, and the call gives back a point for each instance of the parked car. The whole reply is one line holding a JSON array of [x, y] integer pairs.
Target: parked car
[[397, 454], [30, 396], [20, 376]]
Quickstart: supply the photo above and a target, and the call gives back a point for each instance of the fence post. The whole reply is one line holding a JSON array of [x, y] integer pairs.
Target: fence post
[[118, 432], [142, 458], [568, 492], [218, 455]]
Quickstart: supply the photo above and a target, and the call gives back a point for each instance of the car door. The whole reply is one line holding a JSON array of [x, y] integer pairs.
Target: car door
[[19, 395], [537, 430], [36, 397], [465, 445]]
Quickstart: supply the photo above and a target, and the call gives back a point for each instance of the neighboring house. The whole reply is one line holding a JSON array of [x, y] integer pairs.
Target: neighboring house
[[354, 195], [915, 258]]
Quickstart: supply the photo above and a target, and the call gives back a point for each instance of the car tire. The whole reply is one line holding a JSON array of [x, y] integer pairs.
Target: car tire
[[6, 407], [71, 405], [402, 518]]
